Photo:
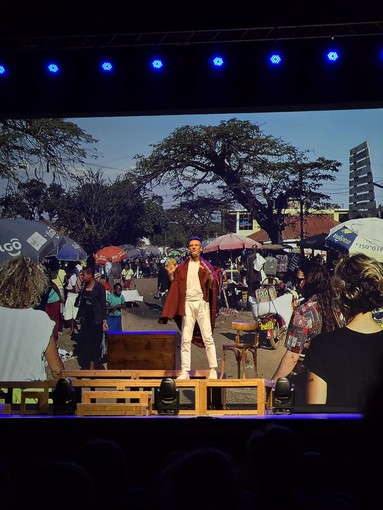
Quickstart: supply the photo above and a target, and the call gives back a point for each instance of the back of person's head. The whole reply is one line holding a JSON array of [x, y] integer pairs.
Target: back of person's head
[[66, 486], [22, 283], [358, 282], [317, 278], [213, 467], [54, 264], [106, 462], [269, 448], [318, 282]]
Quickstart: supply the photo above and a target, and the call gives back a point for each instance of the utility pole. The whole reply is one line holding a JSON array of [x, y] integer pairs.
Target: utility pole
[[301, 208]]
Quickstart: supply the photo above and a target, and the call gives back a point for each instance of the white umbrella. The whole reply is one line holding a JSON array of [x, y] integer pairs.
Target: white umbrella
[[361, 235]]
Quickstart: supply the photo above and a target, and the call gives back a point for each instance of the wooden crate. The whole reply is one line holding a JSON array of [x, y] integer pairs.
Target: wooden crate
[[146, 350]]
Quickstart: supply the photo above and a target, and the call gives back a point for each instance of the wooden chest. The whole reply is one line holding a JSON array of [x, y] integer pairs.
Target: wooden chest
[[145, 350]]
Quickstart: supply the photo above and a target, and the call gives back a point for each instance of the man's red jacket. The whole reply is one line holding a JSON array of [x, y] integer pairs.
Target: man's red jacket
[[174, 307]]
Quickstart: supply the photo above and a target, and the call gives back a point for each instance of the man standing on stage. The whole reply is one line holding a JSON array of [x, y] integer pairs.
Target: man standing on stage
[[191, 289]]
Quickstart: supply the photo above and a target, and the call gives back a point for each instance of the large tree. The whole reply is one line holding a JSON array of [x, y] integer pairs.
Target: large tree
[[237, 163], [97, 213], [34, 147]]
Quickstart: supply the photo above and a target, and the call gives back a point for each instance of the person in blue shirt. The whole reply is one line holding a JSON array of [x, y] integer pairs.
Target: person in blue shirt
[[115, 301]]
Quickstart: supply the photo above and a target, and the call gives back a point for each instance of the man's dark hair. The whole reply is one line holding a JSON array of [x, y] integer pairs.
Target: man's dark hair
[[89, 270], [195, 238]]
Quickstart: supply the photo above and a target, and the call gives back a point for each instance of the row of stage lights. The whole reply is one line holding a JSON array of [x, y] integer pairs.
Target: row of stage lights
[[158, 64]]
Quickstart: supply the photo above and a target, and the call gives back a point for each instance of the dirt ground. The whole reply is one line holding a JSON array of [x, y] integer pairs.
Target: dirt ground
[[144, 317]]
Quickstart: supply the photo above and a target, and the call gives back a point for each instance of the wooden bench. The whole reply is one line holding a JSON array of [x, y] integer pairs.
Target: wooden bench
[[143, 384], [131, 374], [36, 391], [104, 384], [144, 379], [144, 400], [111, 409]]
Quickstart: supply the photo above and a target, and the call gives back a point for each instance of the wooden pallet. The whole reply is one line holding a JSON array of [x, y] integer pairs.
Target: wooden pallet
[[105, 384], [97, 409]]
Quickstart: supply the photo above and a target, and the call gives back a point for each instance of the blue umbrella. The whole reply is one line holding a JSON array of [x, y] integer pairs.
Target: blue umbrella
[[33, 239], [71, 251]]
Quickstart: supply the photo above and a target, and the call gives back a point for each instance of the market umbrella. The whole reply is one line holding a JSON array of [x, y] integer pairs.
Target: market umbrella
[[71, 251], [134, 253], [173, 253], [150, 251], [231, 242], [116, 253], [33, 239], [361, 235], [317, 242], [131, 251]]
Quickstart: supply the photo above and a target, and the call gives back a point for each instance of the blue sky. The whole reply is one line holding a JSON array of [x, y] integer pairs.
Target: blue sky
[[330, 134]]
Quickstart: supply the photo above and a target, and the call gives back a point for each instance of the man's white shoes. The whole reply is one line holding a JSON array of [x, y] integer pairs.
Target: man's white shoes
[[184, 376]]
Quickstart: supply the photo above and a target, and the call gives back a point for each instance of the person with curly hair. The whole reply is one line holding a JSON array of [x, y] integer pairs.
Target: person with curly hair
[[27, 338], [341, 366], [317, 314]]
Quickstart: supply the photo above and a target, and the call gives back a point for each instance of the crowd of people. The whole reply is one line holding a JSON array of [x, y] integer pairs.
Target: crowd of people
[[332, 332], [107, 471]]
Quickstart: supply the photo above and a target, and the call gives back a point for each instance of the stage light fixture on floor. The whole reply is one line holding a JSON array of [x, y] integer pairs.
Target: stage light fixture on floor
[[64, 397], [283, 397], [167, 398]]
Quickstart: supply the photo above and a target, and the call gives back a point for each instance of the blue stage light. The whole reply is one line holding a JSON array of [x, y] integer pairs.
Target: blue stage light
[[217, 61], [107, 66], [275, 59], [3, 70], [53, 68], [332, 56], [157, 64]]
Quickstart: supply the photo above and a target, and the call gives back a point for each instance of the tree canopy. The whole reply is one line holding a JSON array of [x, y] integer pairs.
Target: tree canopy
[[31, 147], [236, 163], [92, 212]]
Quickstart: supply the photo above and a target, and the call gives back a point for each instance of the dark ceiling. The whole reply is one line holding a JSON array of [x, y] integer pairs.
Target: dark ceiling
[[23, 19], [81, 30]]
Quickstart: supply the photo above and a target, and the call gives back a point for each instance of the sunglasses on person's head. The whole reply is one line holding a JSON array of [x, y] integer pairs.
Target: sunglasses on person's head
[[299, 280]]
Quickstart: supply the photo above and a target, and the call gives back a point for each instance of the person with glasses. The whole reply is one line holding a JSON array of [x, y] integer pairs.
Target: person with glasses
[[318, 313]]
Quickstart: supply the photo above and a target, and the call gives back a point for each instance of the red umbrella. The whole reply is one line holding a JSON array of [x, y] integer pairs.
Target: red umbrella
[[116, 253], [231, 241]]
